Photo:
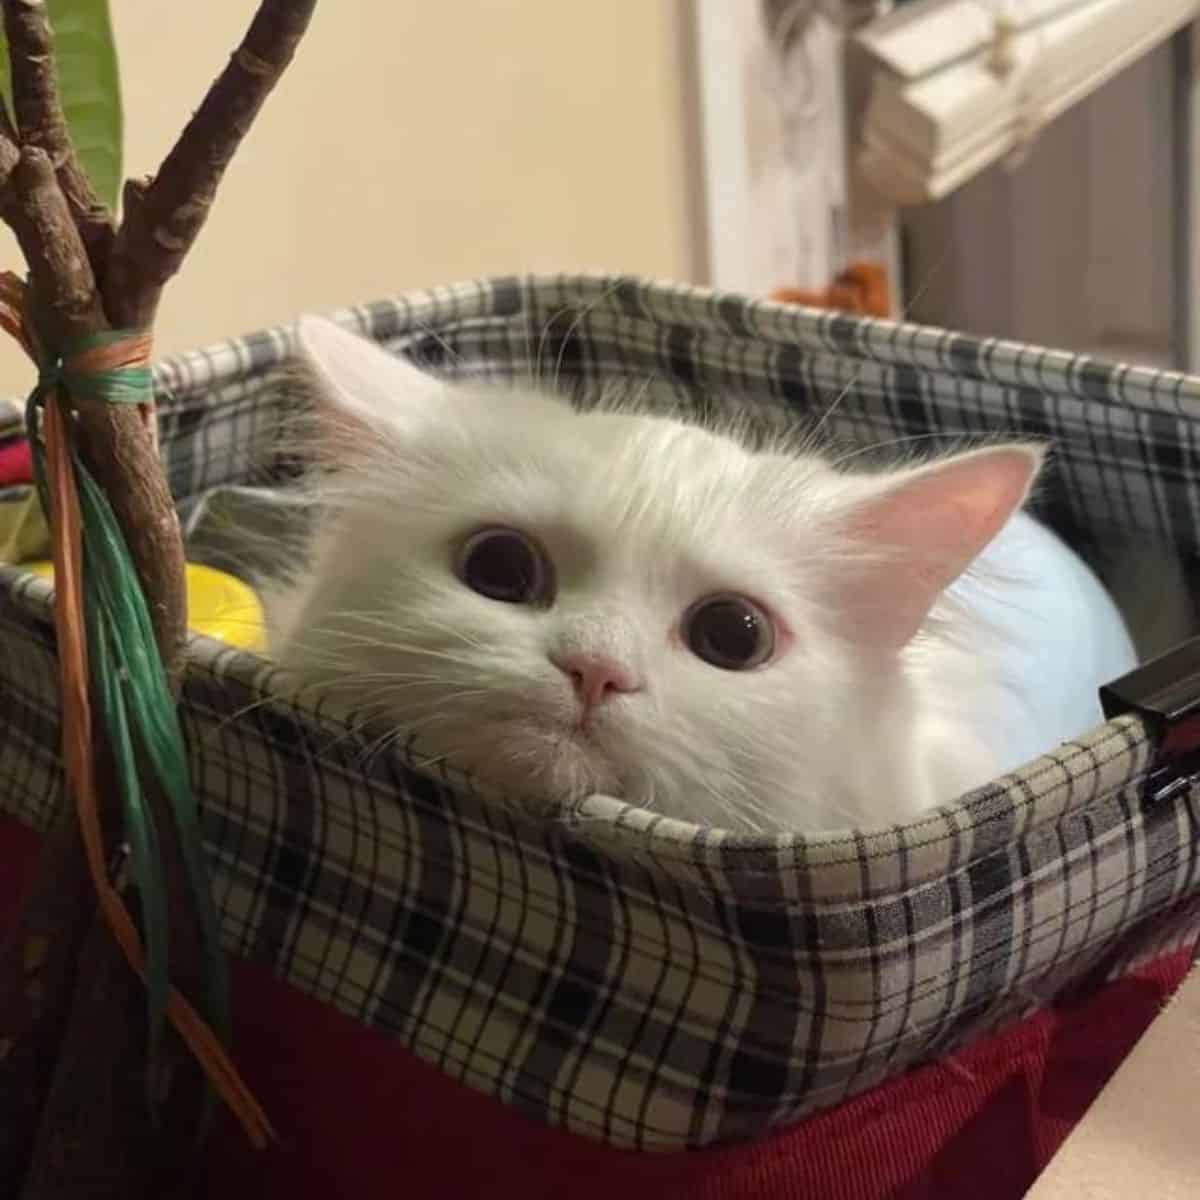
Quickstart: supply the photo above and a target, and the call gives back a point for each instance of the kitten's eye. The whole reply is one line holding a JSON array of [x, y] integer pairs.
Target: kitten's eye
[[729, 632], [504, 565]]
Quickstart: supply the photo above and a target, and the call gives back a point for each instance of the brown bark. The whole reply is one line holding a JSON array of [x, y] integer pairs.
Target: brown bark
[[157, 233], [95, 1140], [72, 1014], [40, 121], [38, 960], [38, 964]]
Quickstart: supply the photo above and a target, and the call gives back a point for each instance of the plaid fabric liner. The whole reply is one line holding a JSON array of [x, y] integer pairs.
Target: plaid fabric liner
[[634, 979]]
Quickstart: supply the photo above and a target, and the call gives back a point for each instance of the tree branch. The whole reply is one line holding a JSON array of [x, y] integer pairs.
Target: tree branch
[[8, 130], [38, 960], [10, 151], [157, 234], [39, 979], [72, 1047], [41, 123], [59, 267]]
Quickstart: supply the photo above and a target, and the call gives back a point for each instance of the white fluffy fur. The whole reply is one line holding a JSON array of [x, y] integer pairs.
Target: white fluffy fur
[[854, 722]]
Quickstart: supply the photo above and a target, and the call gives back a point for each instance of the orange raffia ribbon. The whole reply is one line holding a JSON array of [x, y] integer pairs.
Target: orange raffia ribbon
[[70, 624]]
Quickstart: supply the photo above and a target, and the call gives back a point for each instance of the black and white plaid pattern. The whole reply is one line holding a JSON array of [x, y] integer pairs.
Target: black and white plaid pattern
[[638, 980]]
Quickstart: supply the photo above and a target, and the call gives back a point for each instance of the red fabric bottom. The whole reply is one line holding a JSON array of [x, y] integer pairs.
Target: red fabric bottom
[[16, 462], [359, 1116]]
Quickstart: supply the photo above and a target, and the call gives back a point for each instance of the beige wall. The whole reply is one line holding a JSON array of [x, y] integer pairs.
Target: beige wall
[[416, 142]]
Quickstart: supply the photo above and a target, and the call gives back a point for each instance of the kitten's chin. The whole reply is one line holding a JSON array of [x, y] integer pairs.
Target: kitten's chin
[[545, 767], [564, 767]]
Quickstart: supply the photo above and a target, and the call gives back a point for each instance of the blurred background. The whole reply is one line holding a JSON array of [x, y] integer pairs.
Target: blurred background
[[1014, 168]]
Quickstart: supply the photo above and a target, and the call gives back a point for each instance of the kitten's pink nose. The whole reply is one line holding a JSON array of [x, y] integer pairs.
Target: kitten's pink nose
[[595, 677]]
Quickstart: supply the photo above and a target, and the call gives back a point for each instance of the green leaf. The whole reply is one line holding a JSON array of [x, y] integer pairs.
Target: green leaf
[[89, 83]]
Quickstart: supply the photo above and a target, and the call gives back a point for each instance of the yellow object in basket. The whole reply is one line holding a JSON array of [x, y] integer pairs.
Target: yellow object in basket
[[219, 606]]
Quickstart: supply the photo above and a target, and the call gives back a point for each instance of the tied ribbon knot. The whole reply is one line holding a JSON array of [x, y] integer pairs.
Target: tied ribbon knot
[[108, 655]]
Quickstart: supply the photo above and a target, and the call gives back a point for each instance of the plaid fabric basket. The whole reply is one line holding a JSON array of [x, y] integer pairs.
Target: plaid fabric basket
[[640, 981]]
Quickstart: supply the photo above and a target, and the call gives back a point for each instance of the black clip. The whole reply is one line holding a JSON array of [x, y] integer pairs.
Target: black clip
[[1165, 692]]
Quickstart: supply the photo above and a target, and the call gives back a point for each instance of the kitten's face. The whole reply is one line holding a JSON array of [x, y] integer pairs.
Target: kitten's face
[[567, 604]]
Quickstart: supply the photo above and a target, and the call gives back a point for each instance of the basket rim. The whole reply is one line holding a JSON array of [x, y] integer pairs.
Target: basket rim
[[1121, 749]]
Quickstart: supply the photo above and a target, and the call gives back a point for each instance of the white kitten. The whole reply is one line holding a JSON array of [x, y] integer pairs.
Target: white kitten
[[621, 603]]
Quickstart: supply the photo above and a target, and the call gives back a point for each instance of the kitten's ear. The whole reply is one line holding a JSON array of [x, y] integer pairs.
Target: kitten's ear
[[920, 530], [362, 387]]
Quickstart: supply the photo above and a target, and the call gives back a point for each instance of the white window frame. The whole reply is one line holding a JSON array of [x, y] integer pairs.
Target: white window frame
[[957, 85]]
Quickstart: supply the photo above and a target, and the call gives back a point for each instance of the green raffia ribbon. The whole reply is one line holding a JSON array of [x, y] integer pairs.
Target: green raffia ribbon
[[129, 686]]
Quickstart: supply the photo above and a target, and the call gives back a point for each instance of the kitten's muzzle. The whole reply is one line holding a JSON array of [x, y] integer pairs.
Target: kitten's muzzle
[[596, 679]]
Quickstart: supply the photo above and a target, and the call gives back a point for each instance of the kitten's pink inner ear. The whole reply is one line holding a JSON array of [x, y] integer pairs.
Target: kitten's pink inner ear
[[363, 388], [924, 530], [342, 428]]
